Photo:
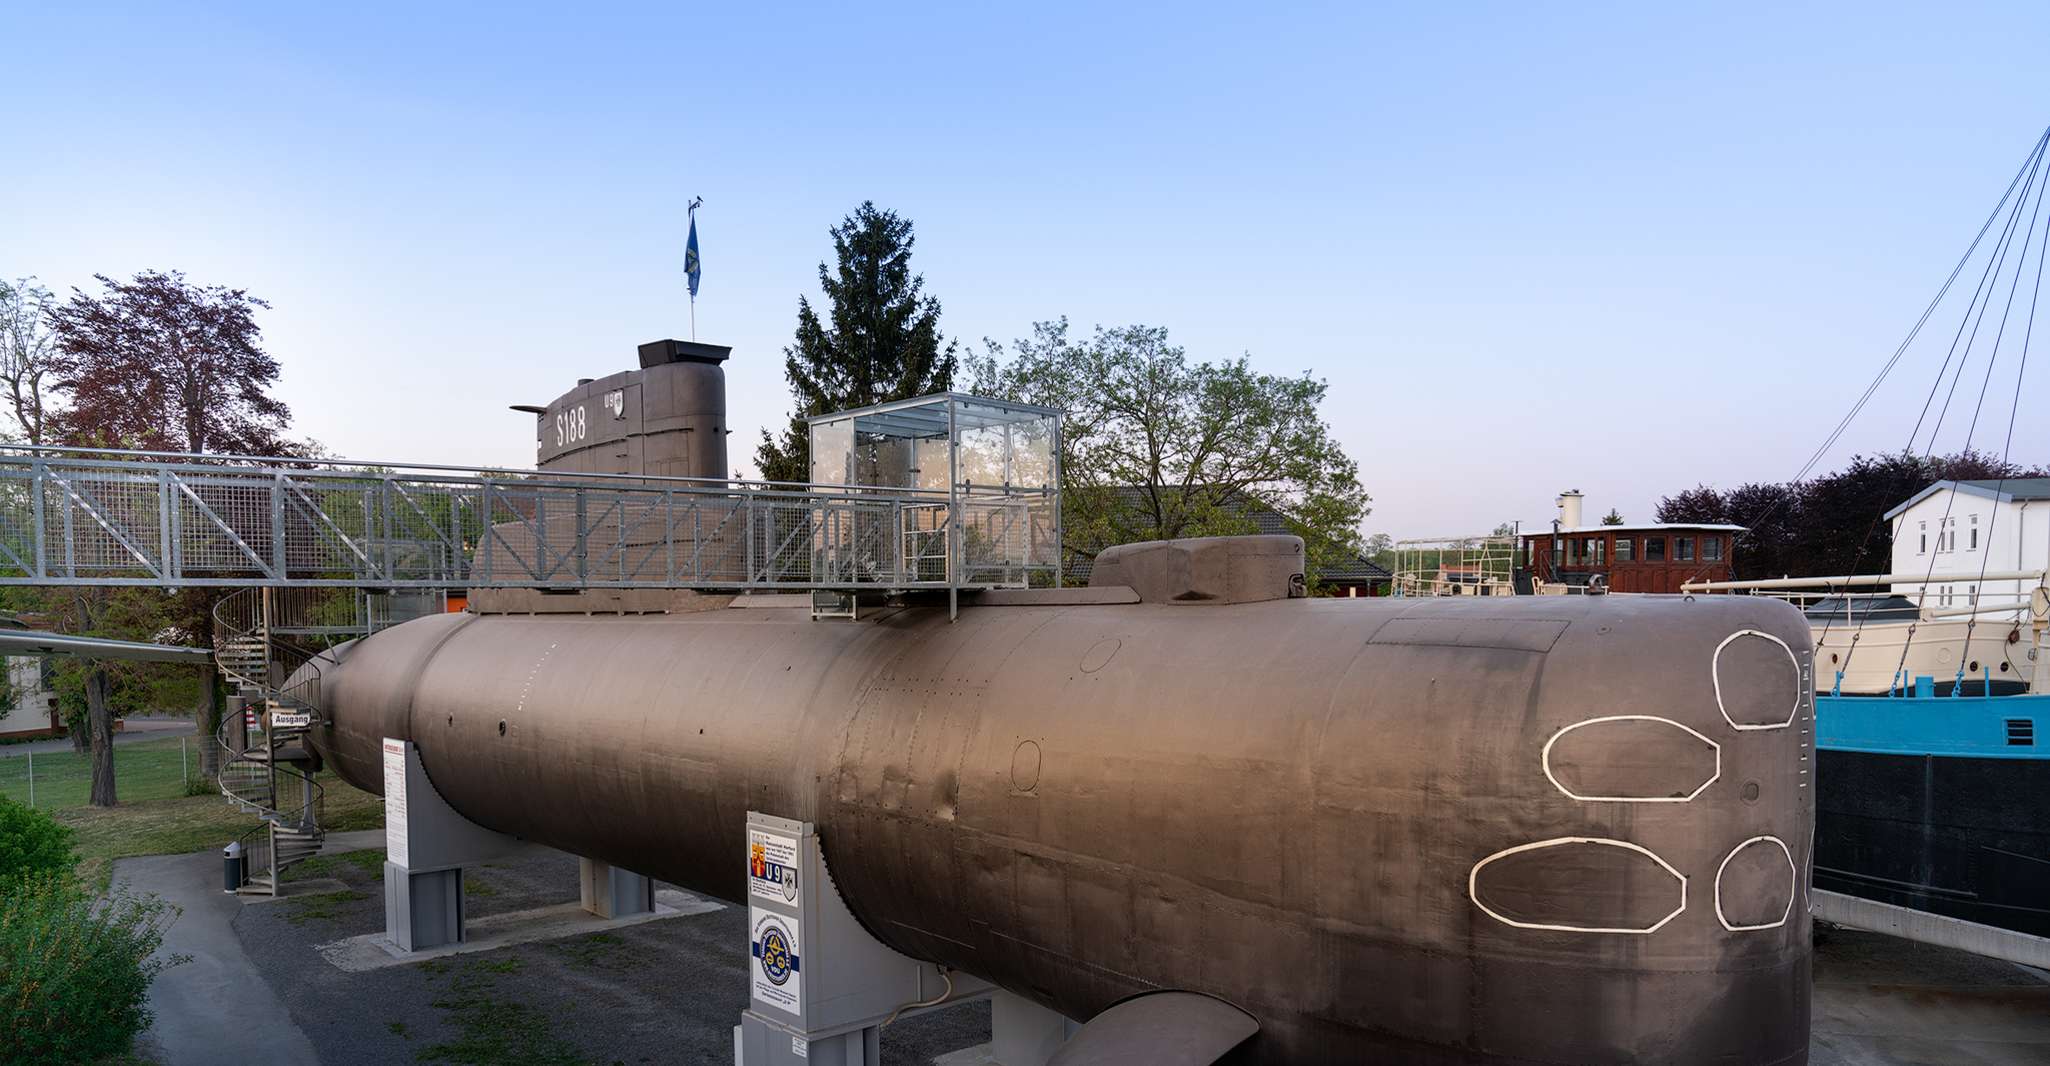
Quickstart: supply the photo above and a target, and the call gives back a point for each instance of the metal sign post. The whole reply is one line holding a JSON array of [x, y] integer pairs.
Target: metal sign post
[[819, 987]]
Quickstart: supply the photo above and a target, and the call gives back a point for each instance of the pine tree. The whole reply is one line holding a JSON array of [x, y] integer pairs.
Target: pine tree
[[883, 344]]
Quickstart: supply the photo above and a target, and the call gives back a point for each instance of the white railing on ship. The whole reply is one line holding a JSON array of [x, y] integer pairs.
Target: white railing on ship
[[1852, 581]]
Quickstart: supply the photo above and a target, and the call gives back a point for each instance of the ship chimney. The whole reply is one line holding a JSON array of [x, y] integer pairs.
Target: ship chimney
[[1569, 509]]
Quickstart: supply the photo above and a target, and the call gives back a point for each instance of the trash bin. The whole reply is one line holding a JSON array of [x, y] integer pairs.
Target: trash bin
[[231, 867]]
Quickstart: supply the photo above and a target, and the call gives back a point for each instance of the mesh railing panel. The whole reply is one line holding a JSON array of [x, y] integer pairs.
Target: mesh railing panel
[[78, 521]]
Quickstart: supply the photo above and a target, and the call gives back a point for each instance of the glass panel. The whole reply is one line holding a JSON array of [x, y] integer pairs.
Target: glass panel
[[1654, 549], [1683, 549], [832, 452], [1625, 549]]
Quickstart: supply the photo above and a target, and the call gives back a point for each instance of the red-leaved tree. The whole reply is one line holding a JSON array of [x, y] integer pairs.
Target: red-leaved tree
[[161, 363]]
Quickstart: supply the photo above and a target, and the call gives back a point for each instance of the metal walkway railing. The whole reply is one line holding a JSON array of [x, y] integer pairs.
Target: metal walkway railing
[[161, 519]]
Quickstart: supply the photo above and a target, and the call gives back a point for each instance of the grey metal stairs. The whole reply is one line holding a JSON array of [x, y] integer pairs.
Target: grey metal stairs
[[268, 772]]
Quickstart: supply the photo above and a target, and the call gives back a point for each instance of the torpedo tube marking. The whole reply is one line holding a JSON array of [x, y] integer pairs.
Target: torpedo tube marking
[[1793, 880], [1545, 757], [1473, 886], [1716, 675]]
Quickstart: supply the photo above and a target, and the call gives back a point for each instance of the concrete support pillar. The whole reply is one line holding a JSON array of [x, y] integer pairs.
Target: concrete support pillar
[[423, 910], [610, 892]]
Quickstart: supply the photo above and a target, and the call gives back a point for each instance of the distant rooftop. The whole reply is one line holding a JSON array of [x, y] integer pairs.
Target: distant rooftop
[[1639, 527], [2014, 488]]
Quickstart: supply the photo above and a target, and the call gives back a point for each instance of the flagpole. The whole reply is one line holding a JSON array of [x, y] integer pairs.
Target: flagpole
[[691, 263]]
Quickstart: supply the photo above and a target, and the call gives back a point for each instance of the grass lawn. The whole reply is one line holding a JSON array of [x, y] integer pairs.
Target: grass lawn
[[155, 816], [144, 771]]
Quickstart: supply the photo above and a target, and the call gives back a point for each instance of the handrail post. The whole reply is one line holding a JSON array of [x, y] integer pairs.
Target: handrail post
[[277, 533], [164, 509], [384, 507], [484, 534], [583, 536], [37, 474]]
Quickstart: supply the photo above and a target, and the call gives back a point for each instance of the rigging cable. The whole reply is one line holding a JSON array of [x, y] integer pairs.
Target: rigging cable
[[2006, 449], [1992, 359], [1981, 296], [2029, 163]]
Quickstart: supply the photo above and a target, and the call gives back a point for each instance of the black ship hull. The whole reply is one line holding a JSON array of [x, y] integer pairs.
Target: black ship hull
[[1962, 836]]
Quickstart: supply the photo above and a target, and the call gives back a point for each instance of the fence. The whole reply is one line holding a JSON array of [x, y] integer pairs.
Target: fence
[[143, 770]]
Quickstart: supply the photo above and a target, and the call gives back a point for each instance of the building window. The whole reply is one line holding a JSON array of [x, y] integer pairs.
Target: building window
[[1654, 549], [1625, 549], [1683, 549], [1594, 551], [1924, 549], [1974, 544], [1712, 549]]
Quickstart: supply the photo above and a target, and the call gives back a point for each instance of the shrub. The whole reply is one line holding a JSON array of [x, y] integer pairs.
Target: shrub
[[31, 842], [75, 970]]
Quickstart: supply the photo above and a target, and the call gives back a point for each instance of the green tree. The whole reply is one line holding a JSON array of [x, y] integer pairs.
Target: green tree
[[162, 362], [91, 693], [1155, 446], [880, 340], [1380, 550], [1613, 518], [27, 351]]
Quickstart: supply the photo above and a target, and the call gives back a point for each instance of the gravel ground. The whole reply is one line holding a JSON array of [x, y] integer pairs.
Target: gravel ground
[[666, 991]]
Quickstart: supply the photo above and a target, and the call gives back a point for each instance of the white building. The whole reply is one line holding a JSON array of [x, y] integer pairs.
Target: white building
[[27, 703], [1953, 531]]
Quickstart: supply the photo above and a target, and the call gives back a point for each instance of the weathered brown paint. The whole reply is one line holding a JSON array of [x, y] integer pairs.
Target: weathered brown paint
[[1278, 803]]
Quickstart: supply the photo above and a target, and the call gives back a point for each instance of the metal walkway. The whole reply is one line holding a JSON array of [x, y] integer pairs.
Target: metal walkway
[[169, 520]]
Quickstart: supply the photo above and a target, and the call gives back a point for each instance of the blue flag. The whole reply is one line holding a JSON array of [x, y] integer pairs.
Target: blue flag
[[691, 266]]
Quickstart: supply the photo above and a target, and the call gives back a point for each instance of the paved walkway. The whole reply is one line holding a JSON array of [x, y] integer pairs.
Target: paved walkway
[[132, 731], [204, 1007], [1878, 1001]]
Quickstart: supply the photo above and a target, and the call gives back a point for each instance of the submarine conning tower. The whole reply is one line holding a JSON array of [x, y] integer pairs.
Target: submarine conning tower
[[667, 419]]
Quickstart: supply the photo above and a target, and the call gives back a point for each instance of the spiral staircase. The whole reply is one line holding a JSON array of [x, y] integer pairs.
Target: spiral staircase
[[267, 768]]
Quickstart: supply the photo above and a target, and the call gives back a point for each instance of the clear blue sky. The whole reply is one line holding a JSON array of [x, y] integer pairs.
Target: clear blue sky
[[1626, 249]]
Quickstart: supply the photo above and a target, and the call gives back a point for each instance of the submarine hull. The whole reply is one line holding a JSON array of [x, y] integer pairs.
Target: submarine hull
[[1536, 830]]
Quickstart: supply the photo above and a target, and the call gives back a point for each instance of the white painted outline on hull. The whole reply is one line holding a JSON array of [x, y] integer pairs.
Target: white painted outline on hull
[[1546, 758], [1715, 675], [1793, 885], [1473, 885]]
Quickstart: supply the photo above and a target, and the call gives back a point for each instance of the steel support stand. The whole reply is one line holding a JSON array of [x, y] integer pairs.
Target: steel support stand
[[820, 988]]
